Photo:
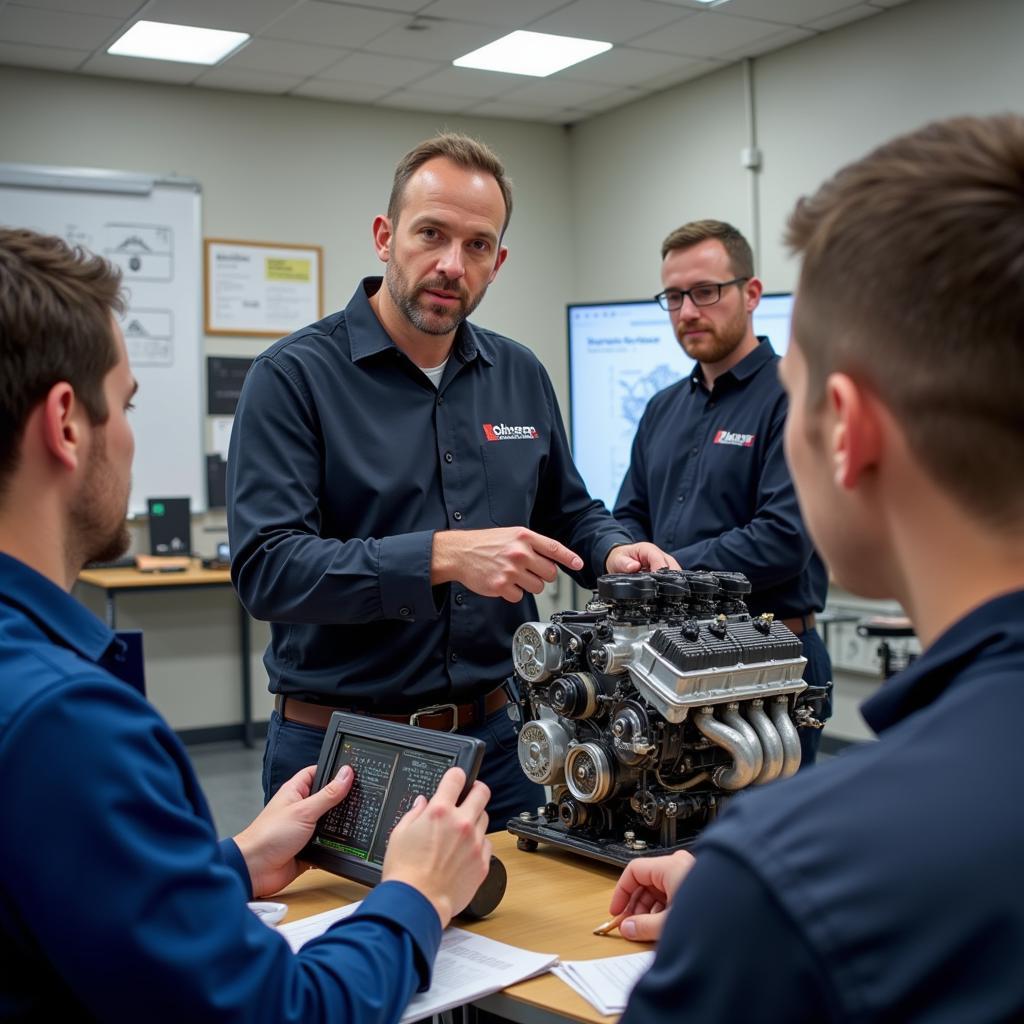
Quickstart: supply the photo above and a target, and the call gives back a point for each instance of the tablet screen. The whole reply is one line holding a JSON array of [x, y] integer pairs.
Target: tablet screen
[[388, 778], [393, 764]]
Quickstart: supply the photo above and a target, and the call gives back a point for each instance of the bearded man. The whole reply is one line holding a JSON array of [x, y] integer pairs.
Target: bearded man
[[708, 479], [400, 486]]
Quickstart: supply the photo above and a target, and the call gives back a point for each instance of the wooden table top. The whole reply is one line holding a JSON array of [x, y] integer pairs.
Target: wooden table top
[[131, 579], [553, 902]]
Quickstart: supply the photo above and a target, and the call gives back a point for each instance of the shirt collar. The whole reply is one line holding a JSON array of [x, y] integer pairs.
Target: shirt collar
[[746, 368], [54, 610], [998, 623], [367, 336]]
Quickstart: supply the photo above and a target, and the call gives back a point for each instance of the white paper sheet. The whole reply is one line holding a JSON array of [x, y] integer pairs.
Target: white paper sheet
[[468, 966], [605, 983]]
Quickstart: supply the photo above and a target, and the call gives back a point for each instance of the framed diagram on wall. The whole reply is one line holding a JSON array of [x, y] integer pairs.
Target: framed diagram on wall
[[262, 289]]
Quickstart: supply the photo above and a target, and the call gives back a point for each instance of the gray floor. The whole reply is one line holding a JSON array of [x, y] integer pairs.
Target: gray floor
[[230, 777]]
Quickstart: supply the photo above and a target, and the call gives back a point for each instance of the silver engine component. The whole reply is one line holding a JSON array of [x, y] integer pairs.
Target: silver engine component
[[648, 710]]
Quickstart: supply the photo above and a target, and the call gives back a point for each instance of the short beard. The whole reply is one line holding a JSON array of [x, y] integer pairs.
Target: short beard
[[444, 320], [95, 539]]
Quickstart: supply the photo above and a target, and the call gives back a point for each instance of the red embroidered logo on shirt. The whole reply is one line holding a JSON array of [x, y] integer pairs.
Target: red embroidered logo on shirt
[[503, 432], [740, 440]]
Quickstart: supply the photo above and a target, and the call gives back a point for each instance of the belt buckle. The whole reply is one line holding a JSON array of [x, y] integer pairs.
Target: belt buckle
[[436, 709]]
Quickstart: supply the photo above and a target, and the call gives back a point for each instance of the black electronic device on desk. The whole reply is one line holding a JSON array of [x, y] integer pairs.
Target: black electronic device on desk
[[393, 764]]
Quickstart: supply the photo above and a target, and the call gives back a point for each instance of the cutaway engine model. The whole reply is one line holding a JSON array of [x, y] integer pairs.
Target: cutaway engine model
[[647, 711]]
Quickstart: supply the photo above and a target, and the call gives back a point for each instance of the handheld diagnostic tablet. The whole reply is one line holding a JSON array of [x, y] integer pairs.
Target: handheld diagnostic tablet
[[393, 764]]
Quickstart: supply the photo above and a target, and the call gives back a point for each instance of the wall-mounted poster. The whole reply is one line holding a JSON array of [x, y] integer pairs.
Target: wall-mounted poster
[[261, 288]]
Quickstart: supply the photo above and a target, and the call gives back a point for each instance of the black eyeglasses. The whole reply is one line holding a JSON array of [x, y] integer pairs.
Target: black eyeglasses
[[700, 294]]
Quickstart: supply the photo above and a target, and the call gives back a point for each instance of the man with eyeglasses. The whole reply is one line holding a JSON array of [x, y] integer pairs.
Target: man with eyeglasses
[[708, 480]]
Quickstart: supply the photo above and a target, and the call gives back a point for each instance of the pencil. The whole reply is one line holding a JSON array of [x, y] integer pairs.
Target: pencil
[[611, 925]]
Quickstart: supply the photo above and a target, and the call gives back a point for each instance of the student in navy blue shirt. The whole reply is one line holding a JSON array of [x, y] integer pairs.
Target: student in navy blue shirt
[[400, 486], [707, 479], [885, 884], [117, 903]]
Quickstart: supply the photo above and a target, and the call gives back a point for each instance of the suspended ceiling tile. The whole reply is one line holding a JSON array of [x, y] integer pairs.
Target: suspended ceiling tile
[[145, 70], [625, 66], [107, 8], [247, 81], [706, 35], [407, 6], [377, 69], [560, 92], [56, 28], [776, 41], [333, 24], [52, 57], [234, 15], [609, 20], [789, 12], [413, 99], [685, 73], [843, 17], [437, 40], [470, 82], [347, 92], [494, 12], [283, 57]]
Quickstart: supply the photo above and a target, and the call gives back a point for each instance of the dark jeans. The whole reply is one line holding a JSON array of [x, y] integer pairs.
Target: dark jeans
[[817, 672], [291, 746]]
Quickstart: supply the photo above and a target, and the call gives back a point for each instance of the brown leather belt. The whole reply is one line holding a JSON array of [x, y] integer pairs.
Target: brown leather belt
[[799, 624], [442, 717]]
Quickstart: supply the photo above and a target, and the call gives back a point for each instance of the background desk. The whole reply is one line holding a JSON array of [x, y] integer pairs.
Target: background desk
[[553, 901], [114, 581]]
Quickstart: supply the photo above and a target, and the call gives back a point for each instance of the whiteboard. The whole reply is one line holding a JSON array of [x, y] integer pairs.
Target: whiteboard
[[149, 227]]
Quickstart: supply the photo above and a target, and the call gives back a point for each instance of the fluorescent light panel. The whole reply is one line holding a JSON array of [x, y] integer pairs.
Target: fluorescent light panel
[[531, 53], [157, 40]]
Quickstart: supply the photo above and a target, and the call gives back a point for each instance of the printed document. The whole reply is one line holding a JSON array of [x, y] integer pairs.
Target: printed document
[[468, 966], [605, 983]]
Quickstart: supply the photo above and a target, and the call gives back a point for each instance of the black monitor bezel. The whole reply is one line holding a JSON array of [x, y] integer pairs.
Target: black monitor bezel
[[466, 752]]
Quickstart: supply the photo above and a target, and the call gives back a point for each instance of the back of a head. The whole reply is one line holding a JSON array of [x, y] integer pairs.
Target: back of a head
[[913, 281], [461, 150], [55, 308]]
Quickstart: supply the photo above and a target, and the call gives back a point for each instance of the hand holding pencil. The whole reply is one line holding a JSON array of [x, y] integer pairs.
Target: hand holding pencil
[[643, 895]]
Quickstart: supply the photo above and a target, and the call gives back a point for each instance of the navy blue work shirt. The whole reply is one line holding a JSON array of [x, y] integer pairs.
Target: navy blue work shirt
[[117, 903], [708, 482], [883, 885], [345, 460]]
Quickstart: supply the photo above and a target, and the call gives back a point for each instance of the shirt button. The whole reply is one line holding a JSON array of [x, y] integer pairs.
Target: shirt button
[[448, 457], [404, 611], [453, 657], [681, 499], [457, 516], [693, 451], [440, 399], [459, 599]]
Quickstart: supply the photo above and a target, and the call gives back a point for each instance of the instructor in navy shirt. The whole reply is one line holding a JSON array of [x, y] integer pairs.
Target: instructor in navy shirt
[[708, 479], [885, 885], [400, 486]]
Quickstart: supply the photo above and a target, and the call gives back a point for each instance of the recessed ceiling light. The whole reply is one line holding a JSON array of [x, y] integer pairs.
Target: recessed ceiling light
[[531, 53], [156, 40]]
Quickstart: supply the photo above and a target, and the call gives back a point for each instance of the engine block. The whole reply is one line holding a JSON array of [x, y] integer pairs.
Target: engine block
[[648, 710]]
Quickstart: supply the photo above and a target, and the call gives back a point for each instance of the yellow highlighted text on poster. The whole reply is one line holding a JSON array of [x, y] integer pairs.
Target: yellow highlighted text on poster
[[289, 270]]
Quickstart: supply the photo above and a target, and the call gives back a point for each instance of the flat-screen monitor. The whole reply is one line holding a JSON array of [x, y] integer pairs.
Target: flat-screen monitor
[[620, 355]]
